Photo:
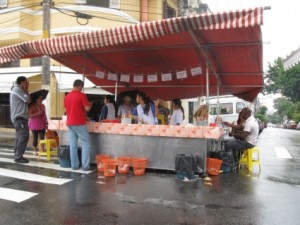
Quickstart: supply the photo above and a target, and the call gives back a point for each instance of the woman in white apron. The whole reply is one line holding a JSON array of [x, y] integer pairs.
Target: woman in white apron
[[178, 113], [145, 110]]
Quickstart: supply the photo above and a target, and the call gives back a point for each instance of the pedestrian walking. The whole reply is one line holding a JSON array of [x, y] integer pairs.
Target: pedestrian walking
[[19, 100]]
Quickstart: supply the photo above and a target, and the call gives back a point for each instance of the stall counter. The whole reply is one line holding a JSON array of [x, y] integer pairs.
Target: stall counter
[[158, 143]]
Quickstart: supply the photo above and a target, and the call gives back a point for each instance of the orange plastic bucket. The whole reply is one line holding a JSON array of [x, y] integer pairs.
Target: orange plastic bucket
[[109, 167], [213, 166], [139, 165], [99, 159], [123, 164]]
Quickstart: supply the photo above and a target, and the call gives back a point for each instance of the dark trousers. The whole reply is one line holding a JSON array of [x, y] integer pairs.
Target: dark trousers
[[37, 134], [236, 146], [22, 137]]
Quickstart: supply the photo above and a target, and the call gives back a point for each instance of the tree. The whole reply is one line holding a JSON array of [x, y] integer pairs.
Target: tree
[[291, 83], [279, 80], [274, 118], [287, 109], [261, 113], [273, 77]]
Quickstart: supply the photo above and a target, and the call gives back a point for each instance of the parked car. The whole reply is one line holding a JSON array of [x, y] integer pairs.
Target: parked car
[[292, 125], [298, 126]]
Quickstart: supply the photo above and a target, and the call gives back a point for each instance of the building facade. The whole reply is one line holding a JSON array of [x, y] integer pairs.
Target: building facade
[[23, 21]]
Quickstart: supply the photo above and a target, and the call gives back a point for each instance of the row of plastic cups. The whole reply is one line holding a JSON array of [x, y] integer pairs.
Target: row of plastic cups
[[107, 165]]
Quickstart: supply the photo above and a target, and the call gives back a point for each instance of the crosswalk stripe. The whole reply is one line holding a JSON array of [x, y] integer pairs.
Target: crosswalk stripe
[[33, 177], [15, 195], [29, 156], [282, 153], [46, 166]]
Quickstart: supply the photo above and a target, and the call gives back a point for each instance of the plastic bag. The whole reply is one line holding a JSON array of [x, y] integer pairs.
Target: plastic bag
[[187, 165], [64, 155], [228, 158]]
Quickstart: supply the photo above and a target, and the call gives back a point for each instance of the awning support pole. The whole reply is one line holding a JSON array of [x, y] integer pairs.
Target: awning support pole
[[207, 84], [116, 91], [218, 102]]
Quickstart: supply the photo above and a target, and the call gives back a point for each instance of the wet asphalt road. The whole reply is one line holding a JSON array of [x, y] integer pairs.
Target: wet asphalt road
[[271, 197]]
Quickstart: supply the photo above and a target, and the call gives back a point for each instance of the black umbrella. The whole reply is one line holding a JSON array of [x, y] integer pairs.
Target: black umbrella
[[42, 92]]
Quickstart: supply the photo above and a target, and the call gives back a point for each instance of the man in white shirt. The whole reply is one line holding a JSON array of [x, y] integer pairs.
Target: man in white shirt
[[246, 138]]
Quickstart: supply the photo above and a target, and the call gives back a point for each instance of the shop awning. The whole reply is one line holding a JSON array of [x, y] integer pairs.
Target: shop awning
[[164, 58], [7, 81]]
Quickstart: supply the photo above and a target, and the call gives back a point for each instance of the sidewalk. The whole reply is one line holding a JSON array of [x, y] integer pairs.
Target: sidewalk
[[7, 137]]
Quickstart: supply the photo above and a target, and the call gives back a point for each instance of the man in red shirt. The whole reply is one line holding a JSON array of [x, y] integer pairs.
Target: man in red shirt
[[76, 106]]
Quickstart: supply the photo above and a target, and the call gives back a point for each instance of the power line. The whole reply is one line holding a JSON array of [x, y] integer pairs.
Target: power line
[[17, 8], [124, 4], [86, 16], [14, 20]]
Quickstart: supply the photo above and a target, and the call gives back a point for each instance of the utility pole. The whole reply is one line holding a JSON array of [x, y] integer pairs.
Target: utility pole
[[46, 34]]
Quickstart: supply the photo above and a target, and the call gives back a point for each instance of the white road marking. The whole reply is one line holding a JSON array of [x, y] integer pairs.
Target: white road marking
[[33, 177], [46, 166], [15, 195], [28, 155], [282, 153]]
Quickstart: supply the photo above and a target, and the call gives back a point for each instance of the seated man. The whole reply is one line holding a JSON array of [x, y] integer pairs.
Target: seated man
[[244, 139]]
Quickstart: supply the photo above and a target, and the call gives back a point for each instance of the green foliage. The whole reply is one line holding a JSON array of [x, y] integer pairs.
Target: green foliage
[[288, 109], [296, 112], [261, 113], [291, 83], [279, 80], [274, 118], [263, 110], [286, 82], [273, 77], [261, 117]]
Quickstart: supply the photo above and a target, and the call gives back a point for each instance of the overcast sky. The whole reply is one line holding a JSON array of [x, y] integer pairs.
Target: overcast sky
[[280, 28]]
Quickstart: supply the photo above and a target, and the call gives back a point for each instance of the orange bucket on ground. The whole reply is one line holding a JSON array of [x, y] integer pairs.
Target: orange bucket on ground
[[123, 164], [139, 165], [109, 167], [99, 159], [213, 166]]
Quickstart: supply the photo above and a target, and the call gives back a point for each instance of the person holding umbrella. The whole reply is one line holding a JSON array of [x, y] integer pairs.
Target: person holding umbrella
[[19, 99], [37, 120]]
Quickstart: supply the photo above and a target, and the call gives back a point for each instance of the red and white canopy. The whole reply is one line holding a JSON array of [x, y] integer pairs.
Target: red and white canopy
[[164, 58]]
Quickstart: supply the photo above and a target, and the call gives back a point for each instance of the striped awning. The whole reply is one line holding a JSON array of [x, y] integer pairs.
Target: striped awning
[[164, 57]]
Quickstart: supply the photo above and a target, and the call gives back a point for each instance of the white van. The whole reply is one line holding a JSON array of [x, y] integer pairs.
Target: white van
[[229, 108]]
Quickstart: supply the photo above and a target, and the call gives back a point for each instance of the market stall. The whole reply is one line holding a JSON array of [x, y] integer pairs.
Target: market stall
[[182, 57]]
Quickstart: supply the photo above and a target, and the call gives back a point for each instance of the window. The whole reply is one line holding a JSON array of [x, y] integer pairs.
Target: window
[[169, 12], [239, 106], [100, 3], [36, 61], [225, 108], [15, 63], [114, 4], [3, 3]]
